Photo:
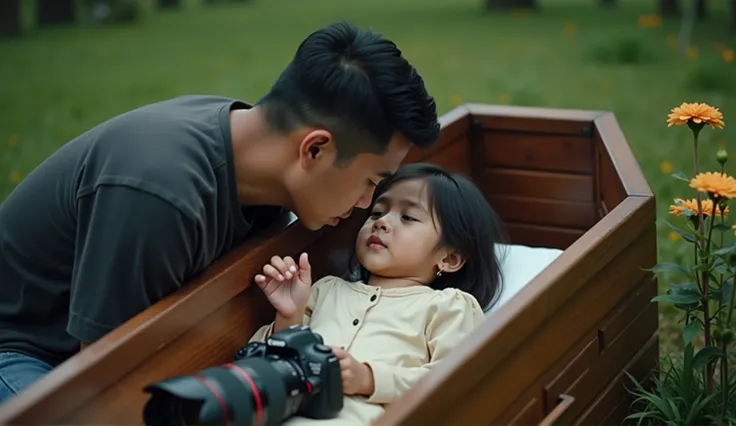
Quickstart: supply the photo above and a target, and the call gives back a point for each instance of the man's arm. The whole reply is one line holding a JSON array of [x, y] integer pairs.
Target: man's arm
[[132, 249]]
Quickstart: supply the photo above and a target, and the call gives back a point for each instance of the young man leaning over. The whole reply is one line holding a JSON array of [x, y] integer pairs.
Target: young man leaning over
[[129, 211]]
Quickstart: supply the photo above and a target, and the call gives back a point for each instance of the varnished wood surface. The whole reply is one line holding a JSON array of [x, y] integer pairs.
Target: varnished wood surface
[[559, 178]]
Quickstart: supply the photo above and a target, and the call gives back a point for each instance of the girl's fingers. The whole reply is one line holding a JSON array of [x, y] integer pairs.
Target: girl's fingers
[[280, 265], [290, 264], [272, 272]]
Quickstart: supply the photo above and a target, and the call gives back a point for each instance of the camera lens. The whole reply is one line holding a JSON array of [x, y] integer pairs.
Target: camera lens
[[262, 391]]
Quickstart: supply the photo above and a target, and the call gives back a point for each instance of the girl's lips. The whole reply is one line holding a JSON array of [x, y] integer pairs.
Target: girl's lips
[[375, 241]]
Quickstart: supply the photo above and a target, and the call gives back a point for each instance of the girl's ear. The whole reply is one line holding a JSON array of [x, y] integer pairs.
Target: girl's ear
[[452, 262]]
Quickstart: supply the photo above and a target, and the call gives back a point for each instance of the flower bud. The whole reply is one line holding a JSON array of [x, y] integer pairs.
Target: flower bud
[[722, 156]]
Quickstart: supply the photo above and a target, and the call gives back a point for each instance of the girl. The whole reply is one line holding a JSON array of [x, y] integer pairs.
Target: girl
[[427, 266]]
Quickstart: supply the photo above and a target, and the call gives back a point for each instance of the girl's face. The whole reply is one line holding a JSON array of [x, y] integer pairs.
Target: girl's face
[[400, 237]]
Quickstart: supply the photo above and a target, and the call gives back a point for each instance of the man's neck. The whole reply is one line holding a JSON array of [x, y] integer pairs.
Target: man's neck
[[260, 160]]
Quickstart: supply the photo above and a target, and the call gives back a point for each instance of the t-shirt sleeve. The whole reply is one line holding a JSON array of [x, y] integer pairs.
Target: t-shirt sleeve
[[132, 249]]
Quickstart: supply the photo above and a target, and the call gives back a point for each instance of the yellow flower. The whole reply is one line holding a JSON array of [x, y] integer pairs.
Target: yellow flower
[[671, 41], [649, 21], [692, 52], [569, 29], [727, 55], [680, 206], [15, 177], [456, 100], [674, 236], [13, 141], [716, 184], [698, 113], [733, 228], [504, 99], [665, 167]]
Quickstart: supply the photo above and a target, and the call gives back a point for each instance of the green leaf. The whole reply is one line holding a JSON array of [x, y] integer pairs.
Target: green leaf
[[680, 299], [669, 267], [705, 355], [686, 234], [690, 331], [727, 249], [684, 296], [721, 227], [681, 176]]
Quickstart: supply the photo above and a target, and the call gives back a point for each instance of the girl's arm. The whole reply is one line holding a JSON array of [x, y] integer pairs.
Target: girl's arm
[[456, 315]]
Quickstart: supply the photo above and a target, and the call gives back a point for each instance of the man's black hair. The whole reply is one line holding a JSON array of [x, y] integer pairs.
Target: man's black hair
[[356, 84]]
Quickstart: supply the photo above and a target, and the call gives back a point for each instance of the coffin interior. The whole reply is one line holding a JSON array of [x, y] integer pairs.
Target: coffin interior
[[558, 178]]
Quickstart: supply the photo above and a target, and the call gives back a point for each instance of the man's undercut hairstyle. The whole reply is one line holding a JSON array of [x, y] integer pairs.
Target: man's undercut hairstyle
[[355, 84]]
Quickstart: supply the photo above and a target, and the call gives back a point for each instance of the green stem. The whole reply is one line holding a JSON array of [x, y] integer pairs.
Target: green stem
[[724, 383], [705, 275]]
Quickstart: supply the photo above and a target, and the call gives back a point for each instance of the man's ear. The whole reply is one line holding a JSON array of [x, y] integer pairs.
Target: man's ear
[[316, 149], [451, 262]]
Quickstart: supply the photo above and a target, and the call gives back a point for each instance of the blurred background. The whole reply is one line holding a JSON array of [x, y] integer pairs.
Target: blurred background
[[67, 65]]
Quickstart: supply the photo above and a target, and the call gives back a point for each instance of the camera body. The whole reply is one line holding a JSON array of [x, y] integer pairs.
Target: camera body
[[317, 368], [292, 373]]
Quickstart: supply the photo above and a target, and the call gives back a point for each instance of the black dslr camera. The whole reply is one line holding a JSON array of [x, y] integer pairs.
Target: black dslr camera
[[293, 373]]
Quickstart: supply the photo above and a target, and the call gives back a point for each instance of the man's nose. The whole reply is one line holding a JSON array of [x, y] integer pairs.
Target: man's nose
[[365, 201]]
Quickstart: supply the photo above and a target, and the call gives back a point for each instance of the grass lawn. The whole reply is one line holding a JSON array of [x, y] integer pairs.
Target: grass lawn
[[58, 83]]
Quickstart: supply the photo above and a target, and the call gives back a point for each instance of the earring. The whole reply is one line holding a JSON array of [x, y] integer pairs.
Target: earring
[[439, 273]]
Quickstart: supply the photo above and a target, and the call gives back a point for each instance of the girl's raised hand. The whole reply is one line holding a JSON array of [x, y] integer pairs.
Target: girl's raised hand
[[286, 284]]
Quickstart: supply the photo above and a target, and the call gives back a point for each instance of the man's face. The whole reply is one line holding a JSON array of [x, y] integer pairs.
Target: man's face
[[323, 193]]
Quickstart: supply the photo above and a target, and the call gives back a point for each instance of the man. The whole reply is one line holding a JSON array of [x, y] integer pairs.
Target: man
[[129, 211]]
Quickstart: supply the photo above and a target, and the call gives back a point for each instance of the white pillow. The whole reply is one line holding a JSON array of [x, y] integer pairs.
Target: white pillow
[[520, 265]]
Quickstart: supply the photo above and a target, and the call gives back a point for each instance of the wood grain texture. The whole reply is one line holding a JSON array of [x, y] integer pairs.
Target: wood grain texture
[[545, 212], [613, 142], [541, 185], [537, 151], [542, 236], [538, 120]]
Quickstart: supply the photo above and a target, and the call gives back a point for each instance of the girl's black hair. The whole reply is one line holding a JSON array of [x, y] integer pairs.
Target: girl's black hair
[[469, 225]]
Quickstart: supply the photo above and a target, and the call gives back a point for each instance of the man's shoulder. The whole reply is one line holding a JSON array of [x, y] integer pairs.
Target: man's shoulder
[[173, 149]]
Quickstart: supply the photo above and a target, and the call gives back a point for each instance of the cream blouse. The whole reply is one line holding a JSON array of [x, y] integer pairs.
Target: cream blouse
[[400, 332]]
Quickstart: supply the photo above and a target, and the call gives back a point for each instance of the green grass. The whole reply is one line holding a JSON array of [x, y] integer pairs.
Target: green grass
[[569, 54]]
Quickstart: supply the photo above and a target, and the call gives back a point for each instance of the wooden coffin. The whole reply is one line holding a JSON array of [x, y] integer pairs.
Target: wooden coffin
[[554, 349]]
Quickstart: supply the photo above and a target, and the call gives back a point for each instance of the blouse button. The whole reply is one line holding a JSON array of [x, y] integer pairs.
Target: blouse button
[[373, 298], [355, 321]]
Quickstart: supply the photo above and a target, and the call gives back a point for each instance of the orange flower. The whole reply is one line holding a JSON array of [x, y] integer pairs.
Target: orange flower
[[681, 206], [15, 177], [649, 21], [674, 236], [569, 29], [728, 55], [692, 52], [665, 167], [697, 113], [717, 185]]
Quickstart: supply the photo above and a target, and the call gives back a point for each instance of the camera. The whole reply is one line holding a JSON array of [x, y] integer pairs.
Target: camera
[[292, 373]]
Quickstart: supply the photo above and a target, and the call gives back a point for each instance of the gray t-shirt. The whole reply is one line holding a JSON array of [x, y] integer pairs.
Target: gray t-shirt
[[117, 219]]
